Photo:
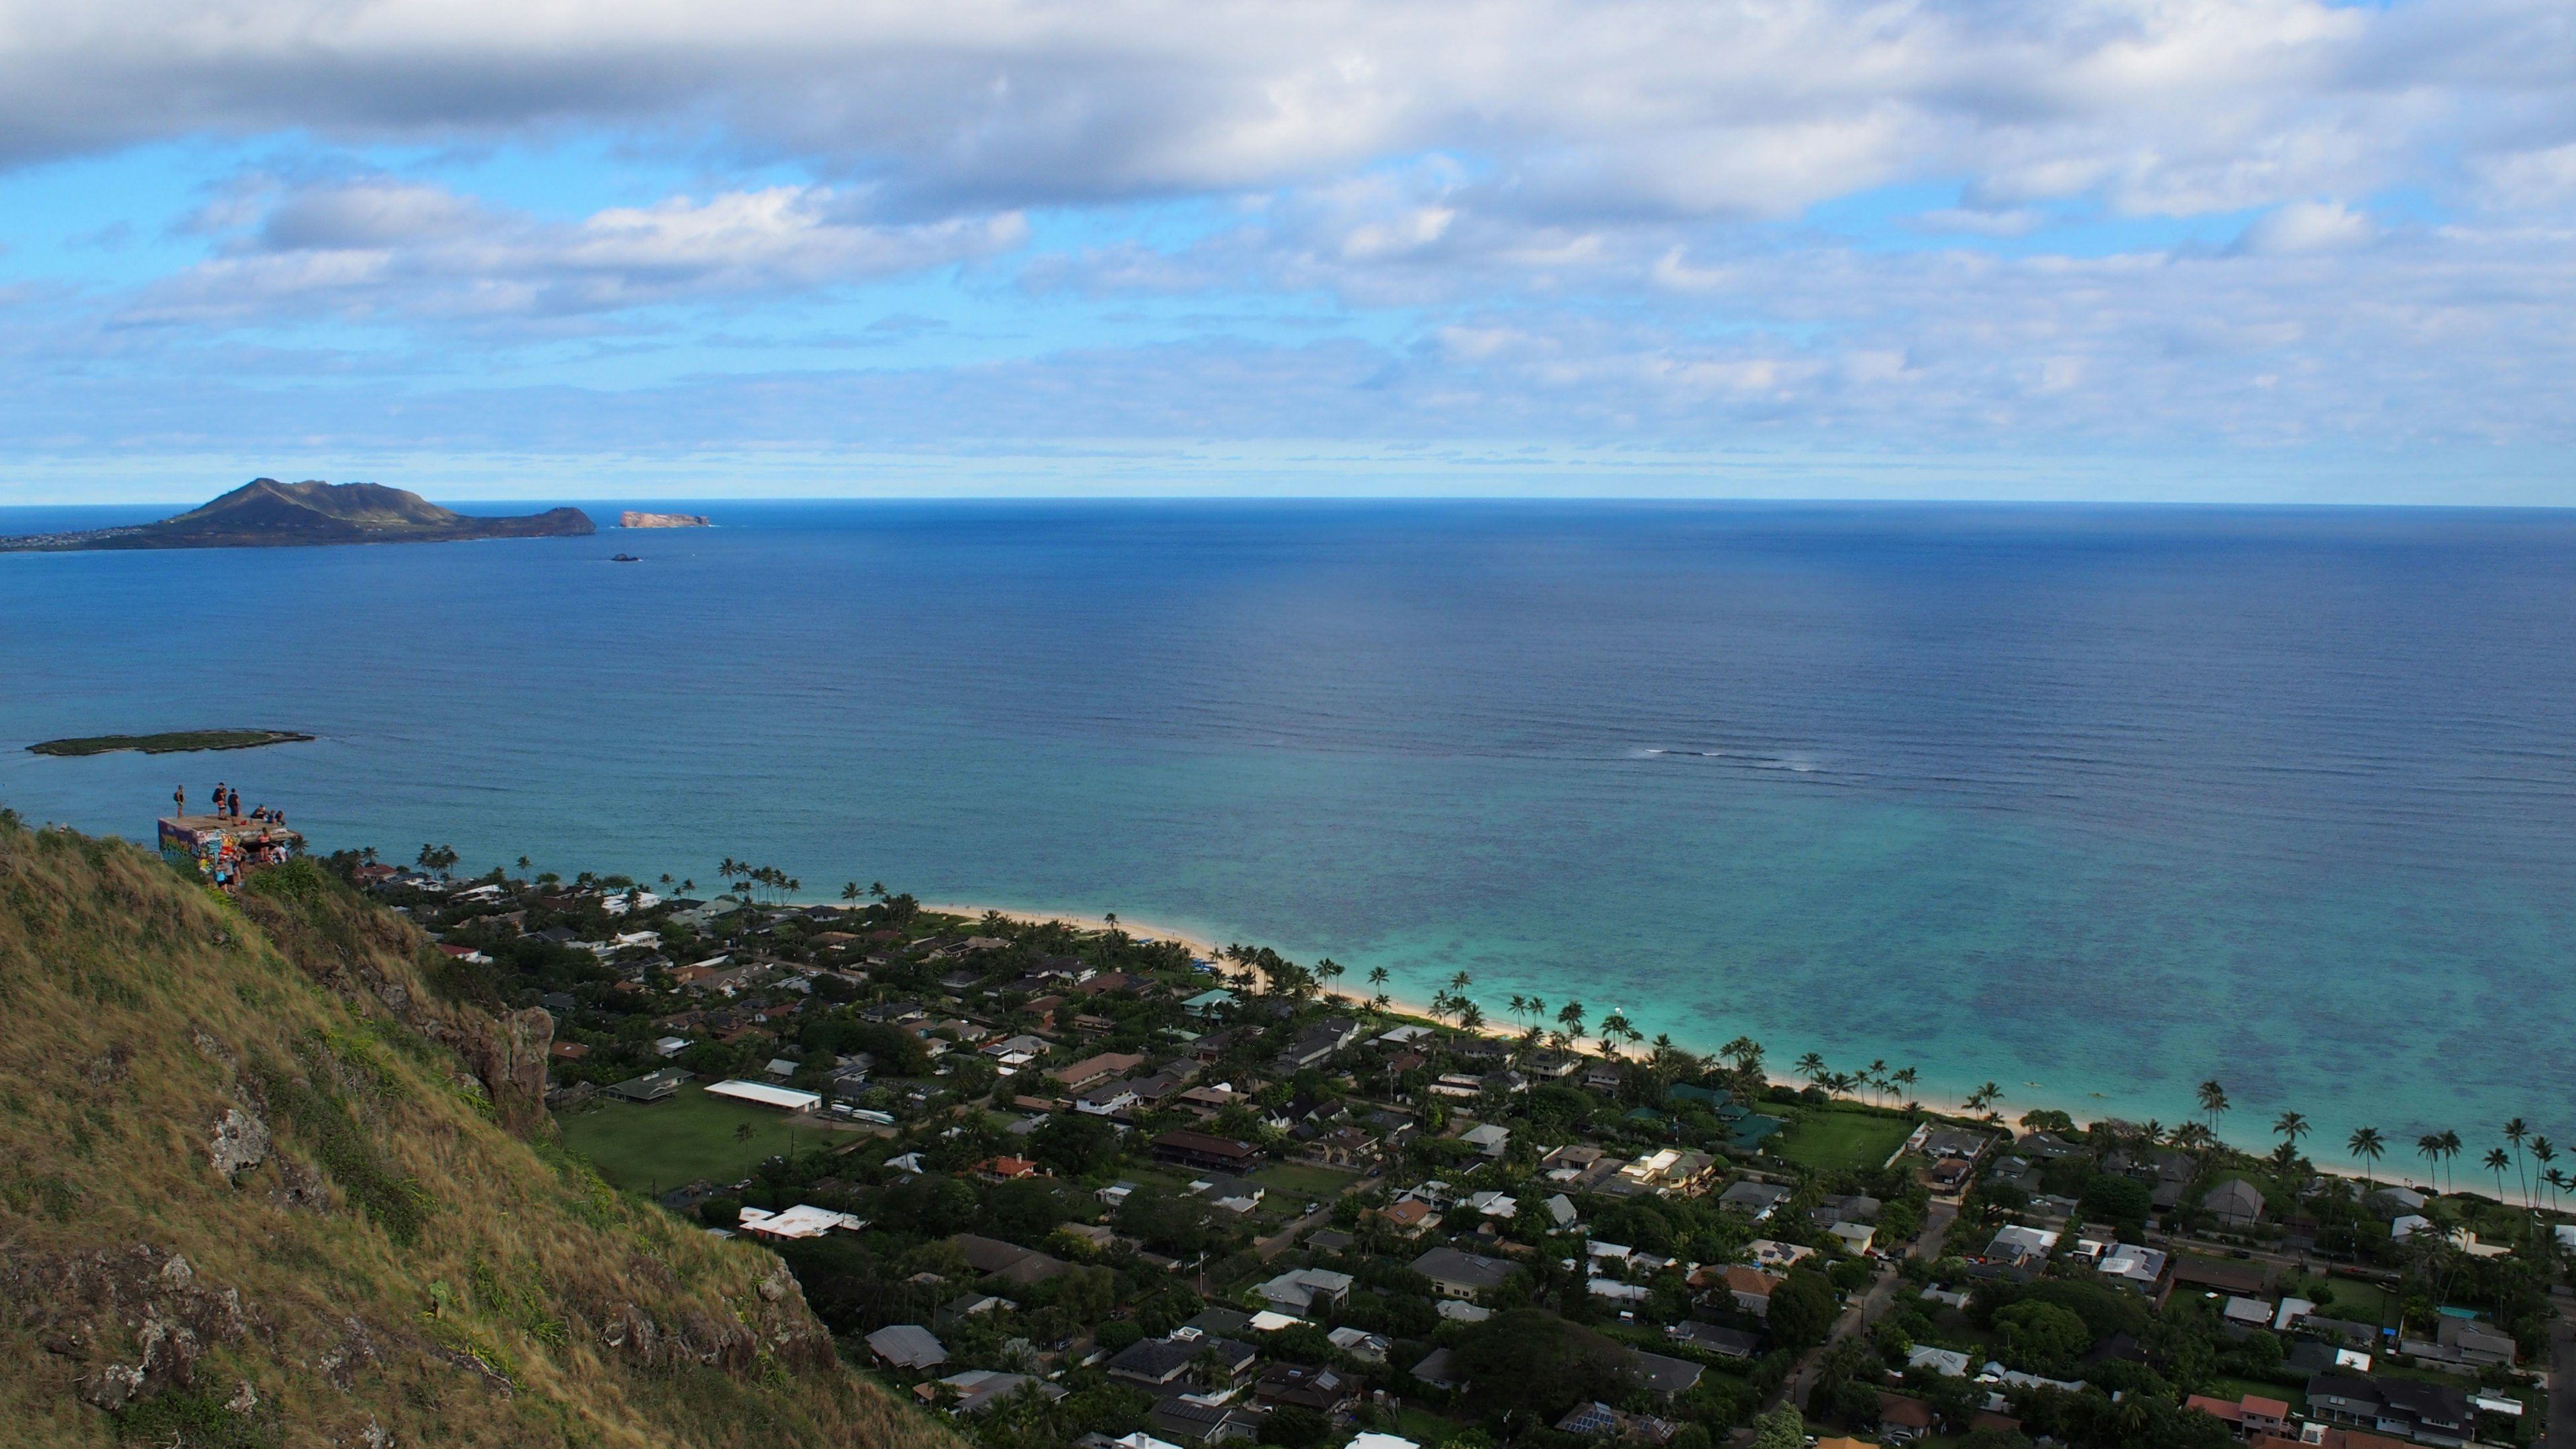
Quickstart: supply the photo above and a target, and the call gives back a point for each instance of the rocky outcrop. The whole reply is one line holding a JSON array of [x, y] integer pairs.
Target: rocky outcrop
[[239, 1141], [138, 1319], [509, 1055], [632, 519]]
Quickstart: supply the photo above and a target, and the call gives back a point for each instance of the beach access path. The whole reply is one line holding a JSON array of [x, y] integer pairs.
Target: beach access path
[[2560, 1432], [1864, 1311]]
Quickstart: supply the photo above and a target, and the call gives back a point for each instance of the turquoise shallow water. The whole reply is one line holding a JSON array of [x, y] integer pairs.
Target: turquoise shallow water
[[2106, 800]]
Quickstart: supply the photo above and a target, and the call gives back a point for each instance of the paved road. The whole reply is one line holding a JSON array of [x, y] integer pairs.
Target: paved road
[[1874, 1305], [2562, 1373], [1286, 1238]]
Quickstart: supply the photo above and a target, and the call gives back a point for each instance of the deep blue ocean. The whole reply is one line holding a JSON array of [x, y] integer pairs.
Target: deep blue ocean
[[2106, 800]]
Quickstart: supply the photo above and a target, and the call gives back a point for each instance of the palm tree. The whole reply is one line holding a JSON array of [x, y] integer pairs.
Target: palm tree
[[2496, 1162], [2514, 1132], [2544, 1154], [1330, 971], [1471, 1017], [2558, 1182], [2450, 1152], [1812, 1067], [2213, 1100], [1904, 1077], [2290, 1127], [2366, 1144], [1876, 1075], [1518, 1006], [1569, 1018], [1377, 978], [2429, 1147], [1613, 1027]]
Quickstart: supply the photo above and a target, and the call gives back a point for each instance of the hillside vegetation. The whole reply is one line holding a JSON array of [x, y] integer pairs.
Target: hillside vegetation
[[258, 1186]]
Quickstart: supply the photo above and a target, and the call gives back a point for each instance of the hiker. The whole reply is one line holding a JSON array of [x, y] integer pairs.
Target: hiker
[[179, 802]]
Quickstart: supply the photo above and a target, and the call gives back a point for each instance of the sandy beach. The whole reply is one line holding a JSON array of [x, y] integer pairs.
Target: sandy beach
[[1355, 991]]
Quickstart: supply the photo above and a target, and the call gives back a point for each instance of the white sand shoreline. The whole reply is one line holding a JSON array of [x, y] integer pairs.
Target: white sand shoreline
[[1354, 989]]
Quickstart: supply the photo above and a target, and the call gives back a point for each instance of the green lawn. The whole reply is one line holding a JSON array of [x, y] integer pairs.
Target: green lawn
[[2223, 1386], [673, 1142], [1304, 1179], [1830, 1138]]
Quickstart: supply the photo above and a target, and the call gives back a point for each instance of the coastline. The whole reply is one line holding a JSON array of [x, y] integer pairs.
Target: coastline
[[2384, 1173]]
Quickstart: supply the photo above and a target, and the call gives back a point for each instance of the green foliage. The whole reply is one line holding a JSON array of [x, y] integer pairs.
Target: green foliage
[[1780, 1429], [2041, 1338], [2110, 1197], [298, 882], [1535, 1361], [1118, 1334], [1293, 1427], [178, 1420], [1802, 1308], [1074, 1144], [398, 1205]]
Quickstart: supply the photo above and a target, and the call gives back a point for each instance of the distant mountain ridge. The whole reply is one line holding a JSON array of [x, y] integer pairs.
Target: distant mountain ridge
[[265, 513]]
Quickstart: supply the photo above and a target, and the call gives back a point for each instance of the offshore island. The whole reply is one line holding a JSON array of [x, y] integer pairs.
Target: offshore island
[[891, 1172], [169, 742], [265, 513]]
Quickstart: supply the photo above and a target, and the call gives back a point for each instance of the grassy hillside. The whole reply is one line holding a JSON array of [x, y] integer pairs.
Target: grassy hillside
[[259, 1186]]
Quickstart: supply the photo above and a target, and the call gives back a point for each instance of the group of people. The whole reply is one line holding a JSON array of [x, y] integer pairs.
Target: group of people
[[228, 803]]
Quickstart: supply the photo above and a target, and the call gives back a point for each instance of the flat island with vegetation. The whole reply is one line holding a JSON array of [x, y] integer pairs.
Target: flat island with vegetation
[[171, 743]]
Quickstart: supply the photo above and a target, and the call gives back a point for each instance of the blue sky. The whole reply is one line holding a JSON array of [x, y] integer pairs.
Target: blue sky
[[2252, 250]]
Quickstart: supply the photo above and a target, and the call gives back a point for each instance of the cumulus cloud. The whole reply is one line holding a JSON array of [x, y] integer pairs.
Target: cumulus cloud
[[1623, 106], [1595, 219], [2308, 226], [384, 246]]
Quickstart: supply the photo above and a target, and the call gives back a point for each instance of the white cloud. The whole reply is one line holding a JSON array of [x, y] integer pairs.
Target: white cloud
[[1602, 108], [375, 248], [2307, 226]]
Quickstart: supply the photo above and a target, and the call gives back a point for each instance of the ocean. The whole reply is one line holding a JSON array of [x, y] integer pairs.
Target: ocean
[[2092, 802]]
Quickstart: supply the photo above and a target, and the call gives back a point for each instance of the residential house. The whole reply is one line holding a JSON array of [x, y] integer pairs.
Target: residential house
[[2464, 1341], [1902, 1419], [979, 1390], [2133, 1266], [1158, 1362], [1410, 1218], [993, 1258], [1437, 1369], [1201, 1151], [1301, 1290], [1734, 1343], [1488, 1138], [1360, 1344], [1305, 1386], [1845, 1209], [1757, 1200], [1665, 1376], [2235, 1203], [1092, 1071], [2250, 1414], [907, 1346], [1600, 1421], [2020, 1246], [1196, 1421], [1668, 1170], [2433, 1413], [1106, 1100], [1749, 1289], [1462, 1275]]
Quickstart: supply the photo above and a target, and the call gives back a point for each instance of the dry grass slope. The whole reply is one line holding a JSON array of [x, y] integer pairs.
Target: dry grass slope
[[251, 1193]]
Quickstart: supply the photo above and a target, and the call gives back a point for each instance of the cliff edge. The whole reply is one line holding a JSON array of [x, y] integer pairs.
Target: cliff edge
[[260, 1187]]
